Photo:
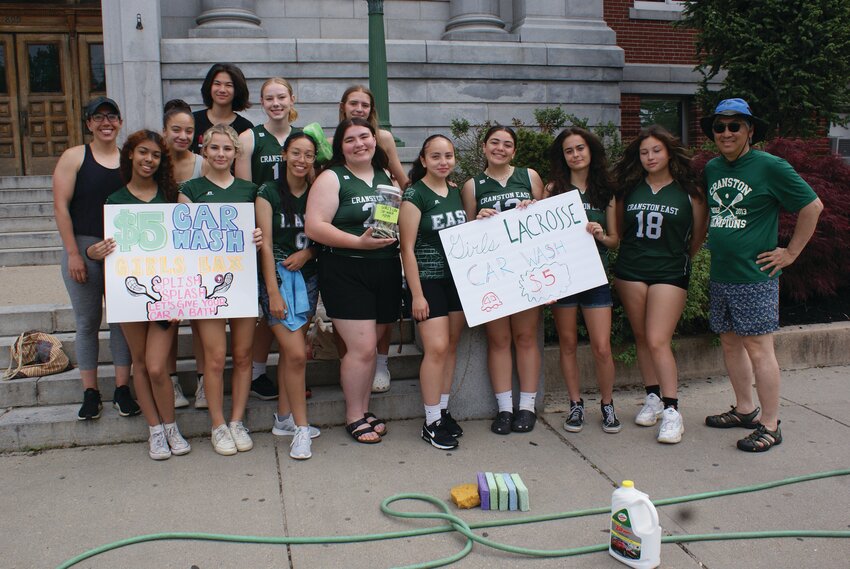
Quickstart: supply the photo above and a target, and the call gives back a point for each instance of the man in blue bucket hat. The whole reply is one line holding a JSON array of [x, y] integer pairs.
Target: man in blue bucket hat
[[746, 187]]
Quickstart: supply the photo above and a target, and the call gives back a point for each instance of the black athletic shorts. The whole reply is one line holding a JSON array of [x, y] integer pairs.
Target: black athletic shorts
[[356, 288], [442, 297]]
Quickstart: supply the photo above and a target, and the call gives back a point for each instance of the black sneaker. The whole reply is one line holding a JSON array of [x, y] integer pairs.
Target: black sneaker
[[91, 405], [575, 420], [438, 436], [264, 388], [124, 403], [451, 425], [610, 423]]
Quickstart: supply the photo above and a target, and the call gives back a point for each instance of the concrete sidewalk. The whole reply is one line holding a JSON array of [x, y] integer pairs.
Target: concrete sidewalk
[[57, 504]]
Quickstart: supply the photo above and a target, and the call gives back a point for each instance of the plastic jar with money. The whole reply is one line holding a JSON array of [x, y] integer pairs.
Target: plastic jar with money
[[386, 212]]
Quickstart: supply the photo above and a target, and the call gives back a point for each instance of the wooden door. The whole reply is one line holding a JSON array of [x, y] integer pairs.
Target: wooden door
[[47, 114], [91, 71], [11, 163]]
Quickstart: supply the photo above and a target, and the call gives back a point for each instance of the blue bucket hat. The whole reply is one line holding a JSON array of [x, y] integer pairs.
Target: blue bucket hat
[[731, 108]]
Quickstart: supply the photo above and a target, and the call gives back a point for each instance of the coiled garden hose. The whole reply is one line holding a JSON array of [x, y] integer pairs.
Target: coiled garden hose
[[455, 523]]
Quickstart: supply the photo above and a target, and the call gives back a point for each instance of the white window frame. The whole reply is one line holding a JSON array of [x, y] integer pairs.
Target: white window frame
[[667, 10]]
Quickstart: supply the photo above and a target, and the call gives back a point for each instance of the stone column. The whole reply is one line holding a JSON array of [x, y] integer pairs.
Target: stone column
[[562, 21], [131, 39], [227, 19], [476, 20]]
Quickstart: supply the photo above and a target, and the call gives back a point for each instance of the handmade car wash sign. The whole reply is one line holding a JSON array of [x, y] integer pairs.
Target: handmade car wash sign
[[180, 261], [523, 258]]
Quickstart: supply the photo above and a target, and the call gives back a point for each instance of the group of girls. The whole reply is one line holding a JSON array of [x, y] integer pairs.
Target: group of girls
[[649, 205]]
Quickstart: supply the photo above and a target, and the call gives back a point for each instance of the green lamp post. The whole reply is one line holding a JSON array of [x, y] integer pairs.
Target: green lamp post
[[378, 64]]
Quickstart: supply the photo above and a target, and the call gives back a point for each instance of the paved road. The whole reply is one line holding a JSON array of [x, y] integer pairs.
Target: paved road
[[56, 504]]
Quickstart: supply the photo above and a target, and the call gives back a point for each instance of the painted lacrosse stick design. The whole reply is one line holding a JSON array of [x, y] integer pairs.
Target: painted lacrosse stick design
[[222, 284], [138, 289]]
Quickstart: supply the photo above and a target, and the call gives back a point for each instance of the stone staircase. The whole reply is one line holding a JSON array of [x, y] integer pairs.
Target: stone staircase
[[28, 233], [37, 413]]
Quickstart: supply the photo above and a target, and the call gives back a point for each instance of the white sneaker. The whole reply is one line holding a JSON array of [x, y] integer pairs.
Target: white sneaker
[[651, 410], [672, 428], [158, 446], [179, 399], [286, 427], [222, 441], [179, 445], [299, 448], [240, 435], [200, 396], [381, 381]]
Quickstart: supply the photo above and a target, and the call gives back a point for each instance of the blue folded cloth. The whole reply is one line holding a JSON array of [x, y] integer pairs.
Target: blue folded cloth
[[294, 293]]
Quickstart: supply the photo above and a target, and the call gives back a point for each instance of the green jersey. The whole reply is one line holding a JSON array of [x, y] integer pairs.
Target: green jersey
[[491, 194], [267, 158], [744, 198], [288, 237], [202, 190], [123, 196], [356, 211], [598, 216], [438, 212], [656, 234]]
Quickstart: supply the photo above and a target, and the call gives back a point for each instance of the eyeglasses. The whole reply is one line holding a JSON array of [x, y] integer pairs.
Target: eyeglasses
[[100, 117], [720, 127], [309, 158]]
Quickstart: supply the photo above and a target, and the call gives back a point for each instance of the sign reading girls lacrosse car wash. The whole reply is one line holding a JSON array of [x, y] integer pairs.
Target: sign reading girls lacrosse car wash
[[180, 261], [522, 258]]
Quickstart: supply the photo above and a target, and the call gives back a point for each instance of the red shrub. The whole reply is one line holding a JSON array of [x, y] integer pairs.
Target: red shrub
[[823, 267]]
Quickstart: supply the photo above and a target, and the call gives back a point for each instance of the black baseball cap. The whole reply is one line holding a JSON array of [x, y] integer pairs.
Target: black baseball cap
[[97, 102]]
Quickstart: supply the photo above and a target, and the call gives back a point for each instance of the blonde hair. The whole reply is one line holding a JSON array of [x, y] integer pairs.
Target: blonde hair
[[293, 114], [227, 131]]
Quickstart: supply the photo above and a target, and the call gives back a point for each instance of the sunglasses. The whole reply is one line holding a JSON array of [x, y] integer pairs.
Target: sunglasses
[[720, 127]]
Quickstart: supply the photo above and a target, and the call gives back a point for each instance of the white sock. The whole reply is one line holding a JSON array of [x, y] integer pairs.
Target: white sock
[[526, 400], [444, 401], [175, 378], [281, 418], [169, 425], [257, 369], [505, 400], [156, 429], [382, 361], [432, 413]]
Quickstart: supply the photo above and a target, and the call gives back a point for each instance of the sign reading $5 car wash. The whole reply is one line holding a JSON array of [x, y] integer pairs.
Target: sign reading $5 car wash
[[180, 261]]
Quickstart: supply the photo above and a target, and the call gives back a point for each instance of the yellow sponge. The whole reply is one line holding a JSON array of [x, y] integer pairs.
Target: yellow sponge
[[466, 496]]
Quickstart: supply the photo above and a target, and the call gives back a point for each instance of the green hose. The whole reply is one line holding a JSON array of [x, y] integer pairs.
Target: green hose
[[454, 523]]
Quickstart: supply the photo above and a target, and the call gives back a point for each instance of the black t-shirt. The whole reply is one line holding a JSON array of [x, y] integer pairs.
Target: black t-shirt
[[202, 124]]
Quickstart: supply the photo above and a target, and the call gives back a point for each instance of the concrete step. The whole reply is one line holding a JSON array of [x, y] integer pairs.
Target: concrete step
[[29, 195], [25, 182], [30, 240], [26, 210], [54, 426], [29, 257], [65, 388], [12, 224], [59, 320]]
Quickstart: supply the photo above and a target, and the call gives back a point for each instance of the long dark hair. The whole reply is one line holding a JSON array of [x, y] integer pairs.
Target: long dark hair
[[287, 201], [493, 130], [418, 171], [240, 86], [629, 171], [600, 188], [164, 175], [379, 160]]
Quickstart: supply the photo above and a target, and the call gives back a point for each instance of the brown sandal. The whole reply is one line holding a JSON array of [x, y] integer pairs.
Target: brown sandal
[[732, 418]]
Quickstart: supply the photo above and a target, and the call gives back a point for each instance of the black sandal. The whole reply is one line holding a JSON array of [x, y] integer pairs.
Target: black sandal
[[359, 428], [761, 439], [374, 422], [732, 418]]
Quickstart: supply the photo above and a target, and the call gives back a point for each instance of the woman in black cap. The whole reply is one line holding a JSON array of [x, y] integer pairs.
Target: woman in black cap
[[84, 177]]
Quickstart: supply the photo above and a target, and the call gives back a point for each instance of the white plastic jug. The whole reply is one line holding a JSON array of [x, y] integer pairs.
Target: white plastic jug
[[635, 531]]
